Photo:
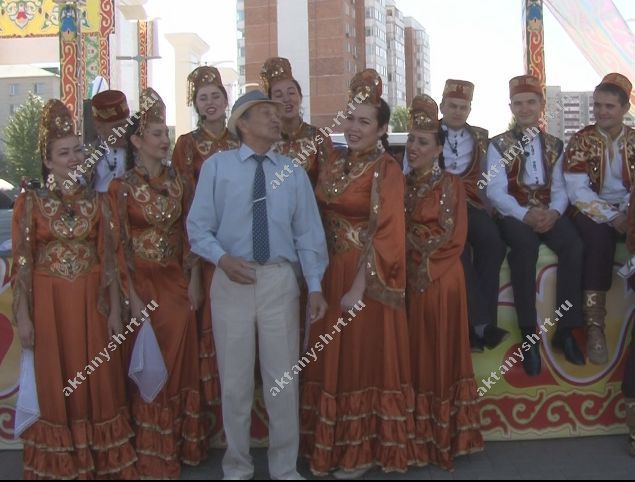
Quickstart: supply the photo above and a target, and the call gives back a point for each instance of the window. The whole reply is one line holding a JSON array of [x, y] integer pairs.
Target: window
[[242, 70], [11, 109], [13, 89], [369, 32], [389, 77]]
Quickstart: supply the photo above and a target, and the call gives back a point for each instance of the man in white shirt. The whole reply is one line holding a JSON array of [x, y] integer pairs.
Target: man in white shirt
[[464, 154], [110, 115], [526, 187], [599, 173], [260, 238]]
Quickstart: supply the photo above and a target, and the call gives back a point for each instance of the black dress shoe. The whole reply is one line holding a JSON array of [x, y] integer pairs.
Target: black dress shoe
[[532, 363], [494, 336], [565, 342]]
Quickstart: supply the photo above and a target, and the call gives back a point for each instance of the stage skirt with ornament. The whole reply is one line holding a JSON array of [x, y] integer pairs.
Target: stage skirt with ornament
[[357, 401], [62, 272], [153, 254], [447, 408]]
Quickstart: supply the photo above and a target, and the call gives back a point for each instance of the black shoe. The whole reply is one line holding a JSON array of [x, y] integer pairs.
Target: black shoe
[[476, 342], [564, 341], [532, 363], [494, 336]]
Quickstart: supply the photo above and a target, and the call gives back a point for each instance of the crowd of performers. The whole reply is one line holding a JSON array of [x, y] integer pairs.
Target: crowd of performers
[[238, 268]]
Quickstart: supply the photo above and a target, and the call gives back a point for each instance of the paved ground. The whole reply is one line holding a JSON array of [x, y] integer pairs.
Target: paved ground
[[589, 458]]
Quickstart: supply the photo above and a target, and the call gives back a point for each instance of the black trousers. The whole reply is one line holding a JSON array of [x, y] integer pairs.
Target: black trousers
[[482, 259], [599, 252], [563, 239]]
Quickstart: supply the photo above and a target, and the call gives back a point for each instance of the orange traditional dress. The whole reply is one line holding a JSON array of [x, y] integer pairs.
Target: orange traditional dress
[[308, 146], [447, 412], [63, 266], [153, 254], [357, 401], [191, 150]]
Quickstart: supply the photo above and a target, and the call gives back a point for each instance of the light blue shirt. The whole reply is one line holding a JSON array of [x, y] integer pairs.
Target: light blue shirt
[[220, 219]]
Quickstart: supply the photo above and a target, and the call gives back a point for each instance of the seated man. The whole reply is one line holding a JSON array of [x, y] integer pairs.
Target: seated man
[[526, 187], [599, 174], [463, 152]]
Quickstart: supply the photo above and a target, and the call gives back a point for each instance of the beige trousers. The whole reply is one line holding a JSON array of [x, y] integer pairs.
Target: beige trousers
[[269, 312]]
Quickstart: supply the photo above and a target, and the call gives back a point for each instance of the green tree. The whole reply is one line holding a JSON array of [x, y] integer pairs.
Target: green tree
[[22, 157], [399, 119]]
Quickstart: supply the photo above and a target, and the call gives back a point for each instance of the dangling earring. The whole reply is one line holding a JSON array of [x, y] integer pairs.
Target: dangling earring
[[436, 169], [51, 185]]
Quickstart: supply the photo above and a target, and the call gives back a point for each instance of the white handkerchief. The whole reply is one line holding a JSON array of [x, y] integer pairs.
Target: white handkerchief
[[27, 410], [628, 269], [147, 368]]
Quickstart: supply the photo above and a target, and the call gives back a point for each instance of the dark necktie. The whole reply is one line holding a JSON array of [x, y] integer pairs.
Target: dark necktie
[[259, 226]]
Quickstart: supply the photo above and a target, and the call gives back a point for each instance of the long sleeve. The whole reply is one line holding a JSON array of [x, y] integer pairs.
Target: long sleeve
[[182, 160], [559, 197], [308, 234], [497, 186], [189, 258], [202, 220], [578, 182], [106, 249], [22, 240], [455, 217], [122, 245], [384, 255], [586, 200]]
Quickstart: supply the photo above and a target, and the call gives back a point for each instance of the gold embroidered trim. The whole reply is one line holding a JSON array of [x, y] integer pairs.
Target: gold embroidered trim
[[420, 237], [341, 235]]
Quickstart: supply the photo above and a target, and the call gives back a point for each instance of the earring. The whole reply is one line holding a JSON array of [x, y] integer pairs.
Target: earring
[[436, 169], [51, 185]]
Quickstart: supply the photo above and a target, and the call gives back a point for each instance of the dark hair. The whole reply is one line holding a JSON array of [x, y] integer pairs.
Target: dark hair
[[613, 89], [383, 118], [220, 87], [132, 129], [46, 170], [441, 139], [297, 86]]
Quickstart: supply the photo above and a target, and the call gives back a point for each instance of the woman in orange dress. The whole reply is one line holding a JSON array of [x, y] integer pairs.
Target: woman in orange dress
[[447, 414], [66, 305], [209, 97], [357, 399], [304, 143], [153, 253], [628, 385]]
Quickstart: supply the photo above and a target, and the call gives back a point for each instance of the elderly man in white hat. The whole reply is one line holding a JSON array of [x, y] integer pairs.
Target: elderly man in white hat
[[260, 238]]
